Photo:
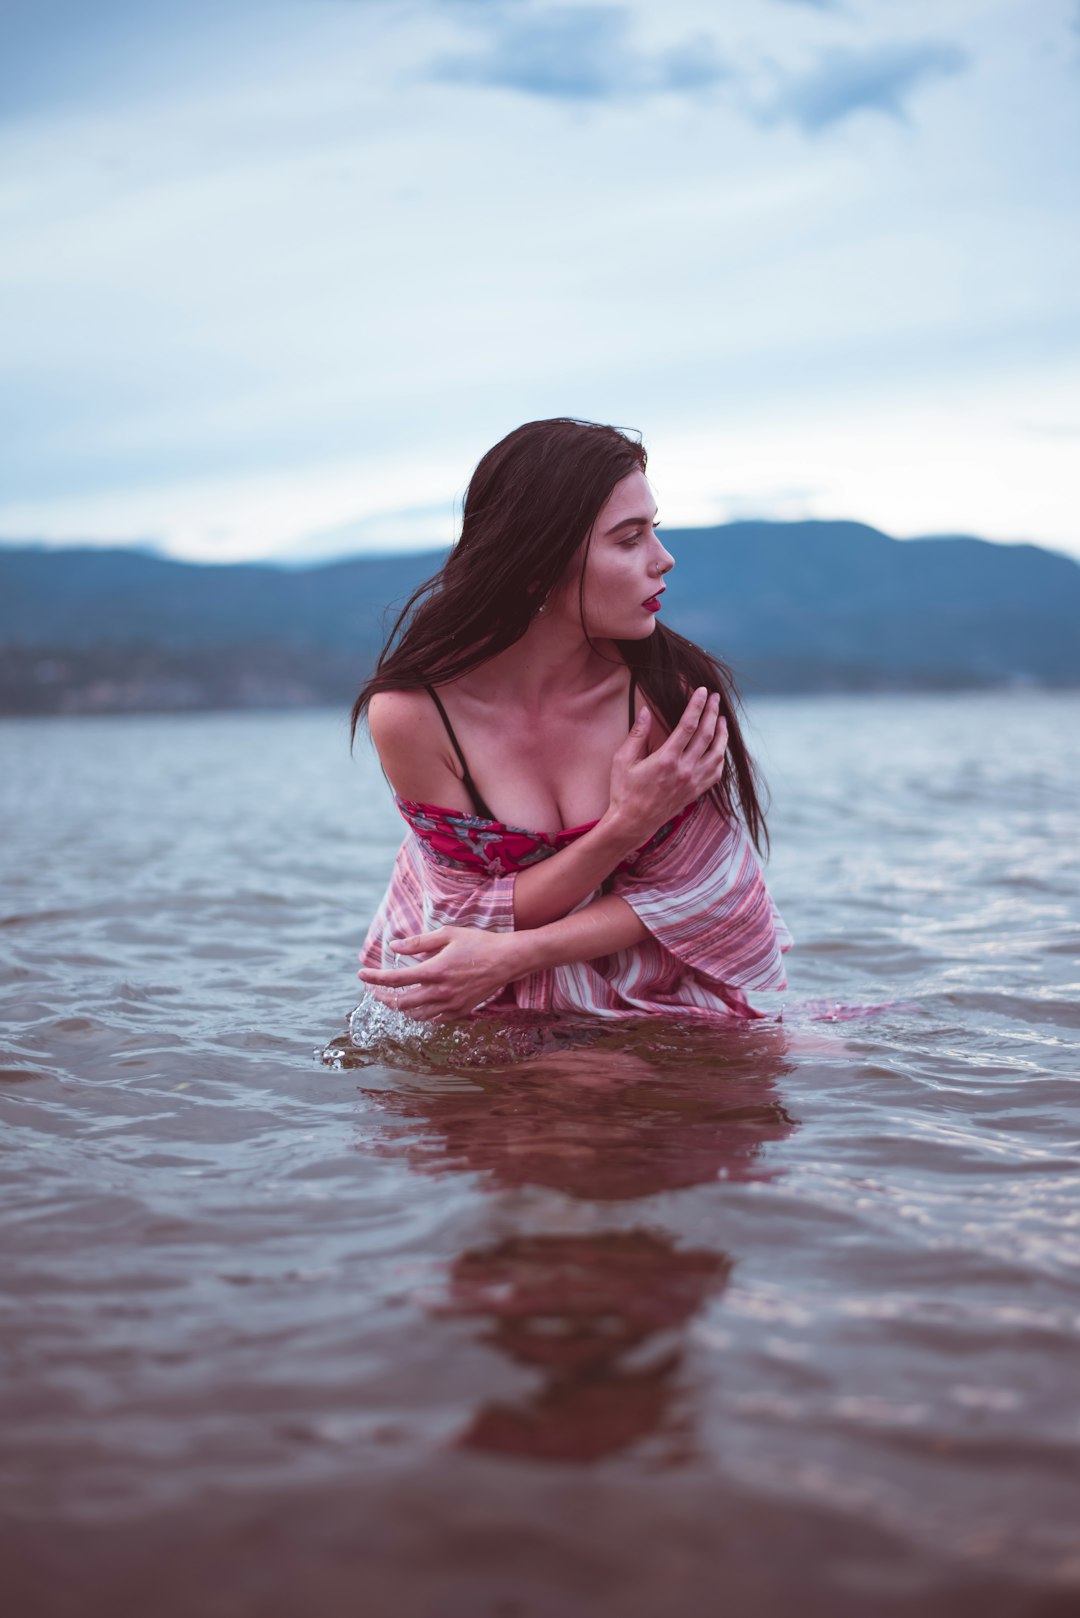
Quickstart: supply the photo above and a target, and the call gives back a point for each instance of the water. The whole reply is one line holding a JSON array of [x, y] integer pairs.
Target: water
[[655, 1321]]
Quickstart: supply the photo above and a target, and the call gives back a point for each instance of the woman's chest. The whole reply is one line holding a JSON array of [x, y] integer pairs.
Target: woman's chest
[[549, 775]]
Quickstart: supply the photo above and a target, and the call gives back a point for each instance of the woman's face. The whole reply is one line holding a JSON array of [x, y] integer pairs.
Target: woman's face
[[624, 567]]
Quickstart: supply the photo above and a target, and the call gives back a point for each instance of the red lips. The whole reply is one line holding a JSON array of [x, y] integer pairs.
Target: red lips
[[653, 603]]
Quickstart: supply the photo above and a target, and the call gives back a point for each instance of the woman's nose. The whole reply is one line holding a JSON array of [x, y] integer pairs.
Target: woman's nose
[[665, 561]]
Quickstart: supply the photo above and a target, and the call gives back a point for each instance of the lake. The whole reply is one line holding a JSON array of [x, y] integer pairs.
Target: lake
[[656, 1321]]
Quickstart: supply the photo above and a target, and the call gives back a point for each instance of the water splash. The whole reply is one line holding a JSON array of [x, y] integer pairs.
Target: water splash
[[380, 1033]]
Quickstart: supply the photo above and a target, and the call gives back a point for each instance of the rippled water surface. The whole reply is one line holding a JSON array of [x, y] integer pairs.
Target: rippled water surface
[[633, 1322]]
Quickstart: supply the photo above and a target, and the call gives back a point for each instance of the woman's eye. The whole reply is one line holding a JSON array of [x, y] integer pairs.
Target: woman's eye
[[632, 539]]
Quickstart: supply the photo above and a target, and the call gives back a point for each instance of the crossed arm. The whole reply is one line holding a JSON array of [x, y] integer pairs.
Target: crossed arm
[[456, 968]]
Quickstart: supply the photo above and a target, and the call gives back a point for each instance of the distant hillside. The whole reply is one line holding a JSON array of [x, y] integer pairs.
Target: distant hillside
[[804, 606]]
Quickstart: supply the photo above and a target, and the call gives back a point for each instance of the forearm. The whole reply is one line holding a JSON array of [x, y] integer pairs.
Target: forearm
[[546, 891], [460, 968], [602, 928]]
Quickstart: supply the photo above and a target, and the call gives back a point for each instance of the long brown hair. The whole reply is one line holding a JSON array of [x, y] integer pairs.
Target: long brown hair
[[530, 506]]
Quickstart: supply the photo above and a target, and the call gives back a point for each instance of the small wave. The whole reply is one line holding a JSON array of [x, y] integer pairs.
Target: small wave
[[839, 1011]]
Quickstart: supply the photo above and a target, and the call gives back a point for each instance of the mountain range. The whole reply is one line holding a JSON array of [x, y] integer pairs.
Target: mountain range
[[801, 606]]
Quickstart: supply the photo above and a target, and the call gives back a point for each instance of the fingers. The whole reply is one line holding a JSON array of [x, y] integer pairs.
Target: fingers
[[420, 1004], [395, 977], [686, 729], [711, 720], [420, 943], [637, 739], [696, 730], [424, 945], [718, 745], [696, 727], [697, 754], [415, 1002], [711, 763]]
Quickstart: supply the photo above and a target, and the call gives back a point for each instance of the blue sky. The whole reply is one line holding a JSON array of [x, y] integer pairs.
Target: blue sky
[[275, 273]]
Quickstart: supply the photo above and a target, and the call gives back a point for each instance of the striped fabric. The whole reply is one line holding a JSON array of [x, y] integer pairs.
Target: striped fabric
[[714, 930]]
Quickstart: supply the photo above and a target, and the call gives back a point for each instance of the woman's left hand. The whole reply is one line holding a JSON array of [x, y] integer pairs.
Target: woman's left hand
[[457, 969]]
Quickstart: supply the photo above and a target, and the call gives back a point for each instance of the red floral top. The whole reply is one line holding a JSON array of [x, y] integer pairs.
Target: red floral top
[[467, 842]]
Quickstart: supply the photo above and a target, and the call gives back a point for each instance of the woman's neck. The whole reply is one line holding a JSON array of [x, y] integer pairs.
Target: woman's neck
[[550, 660]]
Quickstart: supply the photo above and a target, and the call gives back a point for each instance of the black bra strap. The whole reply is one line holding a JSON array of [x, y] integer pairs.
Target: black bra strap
[[467, 781], [633, 699]]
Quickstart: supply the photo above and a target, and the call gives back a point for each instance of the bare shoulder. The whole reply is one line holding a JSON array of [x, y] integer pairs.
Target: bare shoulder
[[394, 716], [412, 745]]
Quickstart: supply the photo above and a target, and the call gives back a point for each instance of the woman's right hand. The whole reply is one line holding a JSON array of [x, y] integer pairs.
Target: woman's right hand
[[648, 789]]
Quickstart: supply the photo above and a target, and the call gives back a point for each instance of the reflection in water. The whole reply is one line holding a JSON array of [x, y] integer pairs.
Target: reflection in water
[[580, 1310], [634, 1112], [618, 1115]]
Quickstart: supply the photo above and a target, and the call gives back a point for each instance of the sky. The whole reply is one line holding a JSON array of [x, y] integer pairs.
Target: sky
[[274, 274]]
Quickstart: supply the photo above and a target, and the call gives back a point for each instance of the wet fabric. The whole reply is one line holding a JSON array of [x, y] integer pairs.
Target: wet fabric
[[714, 933]]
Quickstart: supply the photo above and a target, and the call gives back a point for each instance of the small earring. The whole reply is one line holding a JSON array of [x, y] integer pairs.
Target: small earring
[[542, 607]]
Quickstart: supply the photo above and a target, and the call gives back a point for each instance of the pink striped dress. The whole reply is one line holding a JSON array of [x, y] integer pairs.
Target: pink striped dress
[[714, 932]]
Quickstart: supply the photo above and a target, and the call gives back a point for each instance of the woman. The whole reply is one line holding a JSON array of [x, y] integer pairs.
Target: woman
[[530, 684]]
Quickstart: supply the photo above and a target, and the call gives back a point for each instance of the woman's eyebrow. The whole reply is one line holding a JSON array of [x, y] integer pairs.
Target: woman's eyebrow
[[634, 522]]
